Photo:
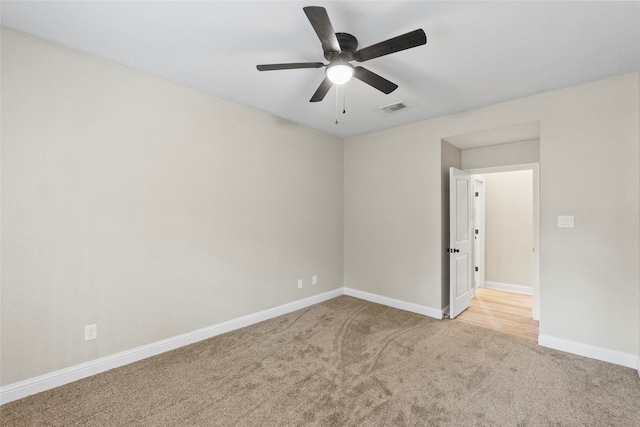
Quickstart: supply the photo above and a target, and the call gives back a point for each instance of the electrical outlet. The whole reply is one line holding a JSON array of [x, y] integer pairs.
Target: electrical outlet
[[90, 332], [299, 283], [314, 280]]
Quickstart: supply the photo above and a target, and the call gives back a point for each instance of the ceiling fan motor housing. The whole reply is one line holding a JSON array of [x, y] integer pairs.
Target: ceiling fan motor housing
[[348, 45]]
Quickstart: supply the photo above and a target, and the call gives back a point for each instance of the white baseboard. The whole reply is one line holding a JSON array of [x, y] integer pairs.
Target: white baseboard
[[590, 351], [51, 380], [521, 289], [390, 302]]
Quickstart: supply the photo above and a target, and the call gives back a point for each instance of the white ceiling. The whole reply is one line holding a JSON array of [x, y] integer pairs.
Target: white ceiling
[[478, 53]]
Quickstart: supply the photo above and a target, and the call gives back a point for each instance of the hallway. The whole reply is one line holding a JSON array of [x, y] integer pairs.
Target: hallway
[[502, 311]]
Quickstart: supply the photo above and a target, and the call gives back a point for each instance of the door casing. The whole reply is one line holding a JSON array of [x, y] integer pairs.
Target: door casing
[[535, 168]]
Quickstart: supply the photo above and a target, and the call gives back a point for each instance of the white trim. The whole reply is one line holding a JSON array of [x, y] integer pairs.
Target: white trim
[[395, 303], [54, 379], [535, 168], [521, 289], [505, 168], [51, 380], [593, 352], [480, 224]]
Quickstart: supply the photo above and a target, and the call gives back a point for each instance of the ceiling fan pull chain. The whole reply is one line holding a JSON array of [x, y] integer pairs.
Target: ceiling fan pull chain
[[344, 101], [337, 102]]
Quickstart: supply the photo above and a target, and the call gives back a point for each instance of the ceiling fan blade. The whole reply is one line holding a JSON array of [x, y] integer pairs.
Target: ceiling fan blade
[[322, 90], [372, 79], [290, 66], [322, 25], [396, 44]]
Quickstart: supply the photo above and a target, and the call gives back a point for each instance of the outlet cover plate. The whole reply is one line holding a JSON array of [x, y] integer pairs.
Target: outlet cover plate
[[90, 332]]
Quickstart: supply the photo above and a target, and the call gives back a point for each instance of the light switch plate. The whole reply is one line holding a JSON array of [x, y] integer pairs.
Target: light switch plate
[[565, 221]]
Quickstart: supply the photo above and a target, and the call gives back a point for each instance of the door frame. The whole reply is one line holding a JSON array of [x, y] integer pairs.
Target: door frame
[[480, 226], [535, 168]]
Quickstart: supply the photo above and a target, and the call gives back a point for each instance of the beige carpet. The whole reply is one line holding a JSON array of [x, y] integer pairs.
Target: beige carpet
[[347, 362]]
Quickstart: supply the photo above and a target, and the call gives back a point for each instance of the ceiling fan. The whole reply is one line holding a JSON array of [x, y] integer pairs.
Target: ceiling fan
[[341, 48]]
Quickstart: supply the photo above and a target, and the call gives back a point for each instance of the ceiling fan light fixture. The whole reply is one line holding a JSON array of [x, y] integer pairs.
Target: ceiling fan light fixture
[[340, 73]]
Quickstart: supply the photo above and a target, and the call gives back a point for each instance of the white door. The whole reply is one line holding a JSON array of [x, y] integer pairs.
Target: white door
[[479, 231], [460, 241]]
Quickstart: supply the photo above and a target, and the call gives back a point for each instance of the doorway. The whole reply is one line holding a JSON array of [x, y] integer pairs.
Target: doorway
[[509, 148], [498, 245]]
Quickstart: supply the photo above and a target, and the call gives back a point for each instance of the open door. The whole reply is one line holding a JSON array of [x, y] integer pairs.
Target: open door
[[460, 241], [479, 230]]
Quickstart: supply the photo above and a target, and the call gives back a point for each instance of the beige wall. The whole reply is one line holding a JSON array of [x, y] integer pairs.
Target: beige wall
[[512, 153], [588, 168], [509, 227], [148, 208], [153, 210], [392, 215]]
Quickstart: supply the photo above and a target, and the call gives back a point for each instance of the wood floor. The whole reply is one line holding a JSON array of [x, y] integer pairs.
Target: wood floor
[[502, 311]]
